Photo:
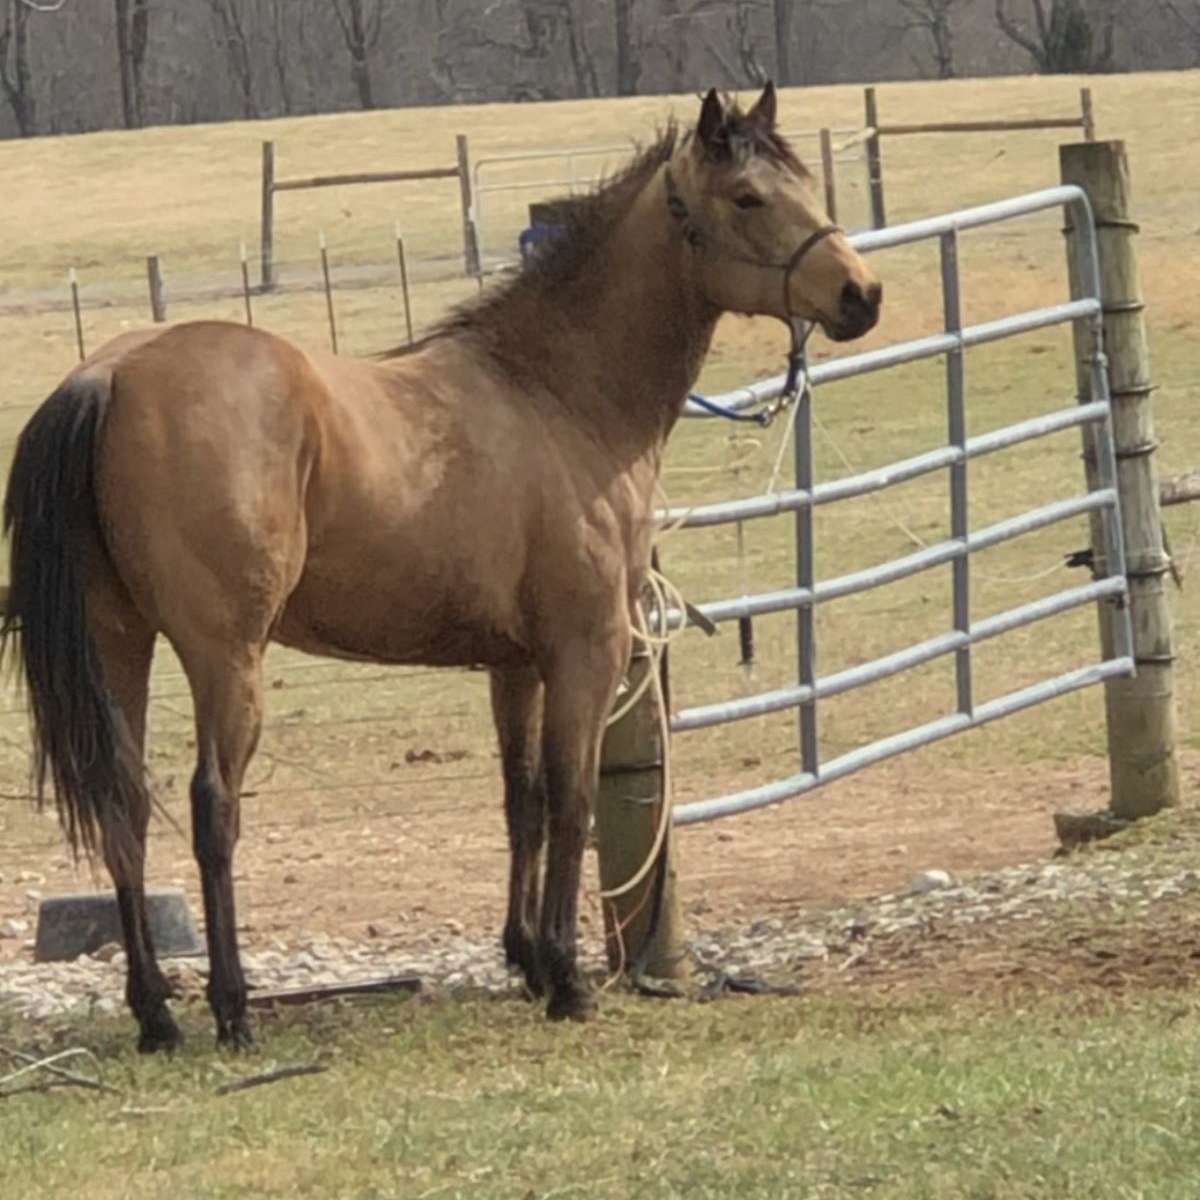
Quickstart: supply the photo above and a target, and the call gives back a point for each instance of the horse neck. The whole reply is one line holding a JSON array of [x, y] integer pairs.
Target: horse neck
[[641, 327]]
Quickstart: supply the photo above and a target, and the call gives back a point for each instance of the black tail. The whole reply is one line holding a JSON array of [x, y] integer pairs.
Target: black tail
[[52, 521]]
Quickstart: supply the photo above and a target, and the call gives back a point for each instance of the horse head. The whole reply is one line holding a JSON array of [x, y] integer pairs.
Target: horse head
[[762, 241]]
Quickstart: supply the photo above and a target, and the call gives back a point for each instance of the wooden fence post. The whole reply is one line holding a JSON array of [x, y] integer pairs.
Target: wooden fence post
[[470, 244], [874, 160], [1088, 116], [628, 810], [1140, 711], [827, 170], [158, 300], [268, 216]]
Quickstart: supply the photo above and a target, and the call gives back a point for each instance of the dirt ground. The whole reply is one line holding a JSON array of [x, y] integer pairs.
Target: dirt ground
[[852, 840]]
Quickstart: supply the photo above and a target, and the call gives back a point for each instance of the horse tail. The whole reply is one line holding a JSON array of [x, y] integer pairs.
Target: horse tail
[[52, 519]]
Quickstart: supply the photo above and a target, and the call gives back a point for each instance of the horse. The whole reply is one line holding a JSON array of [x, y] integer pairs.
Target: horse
[[484, 498]]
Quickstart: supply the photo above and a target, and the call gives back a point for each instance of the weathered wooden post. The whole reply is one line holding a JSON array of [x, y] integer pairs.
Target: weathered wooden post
[[158, 300], [874, 160], [629, 807], [1088, 117], [470, 243], [827, 170], [1140, 711], [268, 216]]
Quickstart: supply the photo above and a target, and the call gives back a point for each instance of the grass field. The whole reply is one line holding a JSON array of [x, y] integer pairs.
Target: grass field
[[922, 1099], [947, 1098]]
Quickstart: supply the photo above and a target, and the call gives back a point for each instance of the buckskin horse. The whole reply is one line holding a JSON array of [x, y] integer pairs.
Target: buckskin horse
[[485, 498]]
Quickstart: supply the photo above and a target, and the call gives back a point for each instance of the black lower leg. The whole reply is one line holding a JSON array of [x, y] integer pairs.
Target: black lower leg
[[146, 989], [214, 853], [525, 801], [570, 997]]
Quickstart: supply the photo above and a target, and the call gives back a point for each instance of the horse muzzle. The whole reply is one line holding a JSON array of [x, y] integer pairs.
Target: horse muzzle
[[858, 312]]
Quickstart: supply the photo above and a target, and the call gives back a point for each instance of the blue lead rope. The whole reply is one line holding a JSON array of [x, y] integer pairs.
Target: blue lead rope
[[758, 418], [765, 416]]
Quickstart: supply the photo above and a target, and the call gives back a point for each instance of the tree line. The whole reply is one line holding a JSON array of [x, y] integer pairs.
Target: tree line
[[74, 65]]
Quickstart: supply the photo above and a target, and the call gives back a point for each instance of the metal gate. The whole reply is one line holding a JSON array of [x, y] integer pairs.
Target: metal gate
[[963, 633]]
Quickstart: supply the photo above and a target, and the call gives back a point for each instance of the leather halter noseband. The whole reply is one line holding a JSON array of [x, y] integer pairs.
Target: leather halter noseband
[[697, 239]]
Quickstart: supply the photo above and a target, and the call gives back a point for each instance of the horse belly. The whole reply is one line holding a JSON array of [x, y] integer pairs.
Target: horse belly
[[400, 621]]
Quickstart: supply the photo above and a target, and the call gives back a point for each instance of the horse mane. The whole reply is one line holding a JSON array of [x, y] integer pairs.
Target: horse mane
[[585, 223]]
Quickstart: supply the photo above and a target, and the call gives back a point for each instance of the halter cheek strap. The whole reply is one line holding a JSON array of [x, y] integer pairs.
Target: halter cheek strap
[[814, 239]]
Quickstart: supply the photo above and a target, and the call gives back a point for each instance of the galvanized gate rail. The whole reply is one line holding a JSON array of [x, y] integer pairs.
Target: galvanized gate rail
[[957, 549]]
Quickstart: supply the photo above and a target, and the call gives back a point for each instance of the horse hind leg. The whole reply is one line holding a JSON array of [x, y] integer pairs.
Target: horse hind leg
[[227, 690], [517, 712], [125, 645]]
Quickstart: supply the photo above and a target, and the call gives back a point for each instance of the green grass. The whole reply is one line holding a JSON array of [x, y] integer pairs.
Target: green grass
[[934, 1100]]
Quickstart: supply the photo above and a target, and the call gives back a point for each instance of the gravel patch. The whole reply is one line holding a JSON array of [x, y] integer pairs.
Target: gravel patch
[[447, 959]]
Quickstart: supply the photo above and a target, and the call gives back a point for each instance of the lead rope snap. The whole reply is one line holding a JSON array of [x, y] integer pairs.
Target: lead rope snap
[[796, 381]]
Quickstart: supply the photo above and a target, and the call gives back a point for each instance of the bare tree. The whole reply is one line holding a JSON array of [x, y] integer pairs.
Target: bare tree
[[1187, 15], [583, 64], [15, 73], [133, 33], [361, 22], [539, 46], [932, 17], [783, 11], [740, 24], [229, 17], [1063, 37], [279, 44], [629, 59]]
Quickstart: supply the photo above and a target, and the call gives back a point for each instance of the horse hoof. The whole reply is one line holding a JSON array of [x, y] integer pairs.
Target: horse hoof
[[159, 1033], [571, 1004], [235, 1036], [521, 957]]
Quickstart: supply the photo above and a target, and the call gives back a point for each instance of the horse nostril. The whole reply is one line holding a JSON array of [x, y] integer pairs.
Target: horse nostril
[[855, 300], [859, 305]]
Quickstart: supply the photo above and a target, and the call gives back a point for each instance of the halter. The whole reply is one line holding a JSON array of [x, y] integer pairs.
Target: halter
[[698, 240], [800, 328]]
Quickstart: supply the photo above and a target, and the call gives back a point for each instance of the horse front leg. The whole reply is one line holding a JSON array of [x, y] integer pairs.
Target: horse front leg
[[517, 712], [580, 688]]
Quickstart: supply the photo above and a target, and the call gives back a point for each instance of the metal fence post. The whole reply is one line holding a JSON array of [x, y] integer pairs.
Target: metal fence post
[[1140, 710], [268, 216], [874, 160], [645, 925]]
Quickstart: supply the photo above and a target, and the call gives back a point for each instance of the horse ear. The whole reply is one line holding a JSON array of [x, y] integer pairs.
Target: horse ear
[[710, 129], [764, 110]]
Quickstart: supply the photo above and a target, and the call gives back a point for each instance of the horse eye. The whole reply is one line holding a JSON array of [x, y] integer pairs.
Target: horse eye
[[749, 200]]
